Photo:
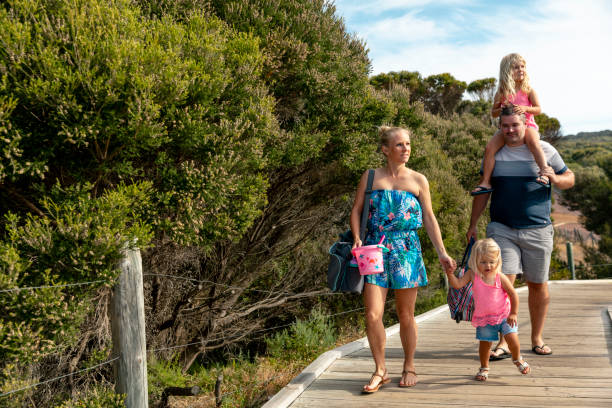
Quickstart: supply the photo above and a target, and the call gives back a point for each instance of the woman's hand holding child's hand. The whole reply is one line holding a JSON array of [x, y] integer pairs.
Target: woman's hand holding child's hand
[[512, 319], [447, 263]]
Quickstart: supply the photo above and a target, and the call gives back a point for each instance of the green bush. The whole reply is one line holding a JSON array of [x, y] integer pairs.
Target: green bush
[[97, 398], [80, 240], [304, 339]]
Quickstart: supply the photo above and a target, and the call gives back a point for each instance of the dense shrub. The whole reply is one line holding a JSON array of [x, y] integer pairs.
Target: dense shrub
[[303, 340], [226, 136]]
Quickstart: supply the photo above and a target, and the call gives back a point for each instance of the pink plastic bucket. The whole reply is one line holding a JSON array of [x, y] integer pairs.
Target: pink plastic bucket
[[370, 258]]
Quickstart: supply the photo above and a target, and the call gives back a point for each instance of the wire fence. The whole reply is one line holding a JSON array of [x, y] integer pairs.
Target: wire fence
[[198, 281], [256, 331], [66, 285], [204, 341], [58, 378]]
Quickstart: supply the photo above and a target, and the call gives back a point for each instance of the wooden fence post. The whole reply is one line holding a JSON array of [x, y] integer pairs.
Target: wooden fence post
[[128, 327], [570, 259]]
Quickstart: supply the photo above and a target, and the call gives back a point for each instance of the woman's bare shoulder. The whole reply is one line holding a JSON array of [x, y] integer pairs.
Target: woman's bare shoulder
[[419, 178]]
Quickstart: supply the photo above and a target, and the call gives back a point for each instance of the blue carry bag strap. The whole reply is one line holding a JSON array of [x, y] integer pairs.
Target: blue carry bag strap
[[468, 251], [366, 207]]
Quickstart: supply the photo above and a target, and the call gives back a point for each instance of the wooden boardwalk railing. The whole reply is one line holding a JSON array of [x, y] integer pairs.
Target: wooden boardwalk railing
[[578, 374]]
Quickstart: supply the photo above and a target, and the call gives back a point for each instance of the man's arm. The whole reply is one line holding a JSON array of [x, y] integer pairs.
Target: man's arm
[[479, 203], [562, 181]]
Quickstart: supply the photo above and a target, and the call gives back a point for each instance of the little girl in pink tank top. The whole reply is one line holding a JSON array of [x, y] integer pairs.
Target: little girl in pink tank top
[[514, 89], [495, 304]]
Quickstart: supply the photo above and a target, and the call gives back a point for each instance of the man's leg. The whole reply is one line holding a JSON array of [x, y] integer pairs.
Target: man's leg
[[538, 309], [536, 250]]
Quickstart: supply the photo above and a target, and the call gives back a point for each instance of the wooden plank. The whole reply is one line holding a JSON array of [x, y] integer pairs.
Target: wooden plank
[[467, 376], [367, 401], [578, 374], [504, 366], [505, 389]]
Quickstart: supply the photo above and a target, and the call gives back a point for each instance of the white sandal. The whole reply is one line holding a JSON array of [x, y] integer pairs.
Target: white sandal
[[483, 374], [523, 367]]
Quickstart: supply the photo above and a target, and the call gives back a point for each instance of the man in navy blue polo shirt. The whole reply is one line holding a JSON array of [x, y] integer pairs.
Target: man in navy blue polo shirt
[[520, 219]]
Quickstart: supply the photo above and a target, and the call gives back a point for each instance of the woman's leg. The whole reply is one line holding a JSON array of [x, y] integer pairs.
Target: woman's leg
[[405, 300], [496, 143], [374, 299]]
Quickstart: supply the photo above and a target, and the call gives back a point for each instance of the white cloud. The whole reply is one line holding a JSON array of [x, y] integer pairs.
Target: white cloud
[[350, 8], [403, 29], [566, 46]]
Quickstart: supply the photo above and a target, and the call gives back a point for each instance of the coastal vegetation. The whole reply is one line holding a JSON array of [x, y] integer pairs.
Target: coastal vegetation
[[225, 140]]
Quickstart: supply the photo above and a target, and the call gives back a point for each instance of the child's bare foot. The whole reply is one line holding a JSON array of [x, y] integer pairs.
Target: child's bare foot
[[483, 374], [482, 188], [522, 365]]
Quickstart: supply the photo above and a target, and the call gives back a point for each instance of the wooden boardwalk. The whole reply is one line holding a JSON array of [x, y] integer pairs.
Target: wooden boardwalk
[[578, 374]]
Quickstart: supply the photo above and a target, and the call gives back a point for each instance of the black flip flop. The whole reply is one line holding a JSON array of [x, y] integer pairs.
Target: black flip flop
[[505, 354], [541, 352], [481, 190]]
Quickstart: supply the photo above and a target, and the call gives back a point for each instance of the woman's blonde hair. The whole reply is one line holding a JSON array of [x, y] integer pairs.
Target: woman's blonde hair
[[507, 86], [485, 247], [385, 133]]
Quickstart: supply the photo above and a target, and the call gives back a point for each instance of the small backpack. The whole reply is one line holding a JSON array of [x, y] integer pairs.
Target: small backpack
[[341, 275], [460, 301]]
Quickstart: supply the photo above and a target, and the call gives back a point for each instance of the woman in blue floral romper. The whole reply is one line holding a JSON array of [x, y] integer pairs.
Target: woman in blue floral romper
[[400, 204]]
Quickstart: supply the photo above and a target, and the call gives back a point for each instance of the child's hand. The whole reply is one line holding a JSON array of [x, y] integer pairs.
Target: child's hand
[[448, 263], [511, 320], [519, 109]]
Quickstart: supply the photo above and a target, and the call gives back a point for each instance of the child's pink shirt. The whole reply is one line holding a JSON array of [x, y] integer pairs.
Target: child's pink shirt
[[491, 302], [521, 98]]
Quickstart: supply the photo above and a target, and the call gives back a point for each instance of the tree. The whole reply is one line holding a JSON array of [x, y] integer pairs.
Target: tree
[[115, 127], [439, 93], [550, 128], [442, 93], [592, 196], [317, 75], [410, 80], [482, 89]]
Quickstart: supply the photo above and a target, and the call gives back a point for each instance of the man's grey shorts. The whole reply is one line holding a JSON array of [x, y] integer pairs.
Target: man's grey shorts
[[525, 250]]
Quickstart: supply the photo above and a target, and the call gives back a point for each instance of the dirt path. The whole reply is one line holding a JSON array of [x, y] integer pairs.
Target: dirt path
[[569, 228]]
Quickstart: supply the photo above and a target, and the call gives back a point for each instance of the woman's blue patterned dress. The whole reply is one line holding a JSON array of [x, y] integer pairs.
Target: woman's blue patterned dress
[[397, 215]]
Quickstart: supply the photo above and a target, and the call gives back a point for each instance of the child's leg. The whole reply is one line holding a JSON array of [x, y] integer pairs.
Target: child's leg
[[532, 139], [513, 345], [483, 352], [496, 143], [515, 348]]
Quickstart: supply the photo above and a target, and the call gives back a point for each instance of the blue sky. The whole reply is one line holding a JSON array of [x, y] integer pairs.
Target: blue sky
[[567, 45]]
